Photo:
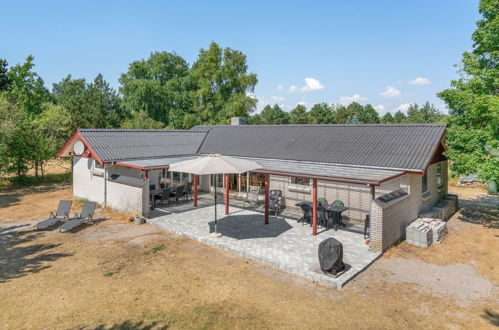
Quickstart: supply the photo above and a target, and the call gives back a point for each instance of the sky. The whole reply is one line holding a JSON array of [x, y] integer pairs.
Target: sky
[[386, 53]]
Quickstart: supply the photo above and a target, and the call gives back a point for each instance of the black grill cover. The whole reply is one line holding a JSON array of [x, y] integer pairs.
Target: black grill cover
[[331, 256]]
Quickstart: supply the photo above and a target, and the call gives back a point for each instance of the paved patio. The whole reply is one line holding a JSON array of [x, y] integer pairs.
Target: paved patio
[[283, 243]]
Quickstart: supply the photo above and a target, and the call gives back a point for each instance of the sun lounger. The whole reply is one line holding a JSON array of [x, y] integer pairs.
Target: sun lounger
[[60, 215], [86, 214]]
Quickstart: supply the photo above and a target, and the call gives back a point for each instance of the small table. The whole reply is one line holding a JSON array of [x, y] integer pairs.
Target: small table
[[336, 210]]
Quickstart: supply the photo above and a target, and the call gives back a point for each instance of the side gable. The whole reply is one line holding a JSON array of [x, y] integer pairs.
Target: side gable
[[108, 145], [67, 150]]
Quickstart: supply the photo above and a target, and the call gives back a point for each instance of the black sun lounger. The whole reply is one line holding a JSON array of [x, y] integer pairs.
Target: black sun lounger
[[60, 215], [86, 214]]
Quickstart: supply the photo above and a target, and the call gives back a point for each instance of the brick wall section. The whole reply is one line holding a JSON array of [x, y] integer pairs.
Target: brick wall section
[[388, 223], [356, 197], [86, 184], [124, 198]]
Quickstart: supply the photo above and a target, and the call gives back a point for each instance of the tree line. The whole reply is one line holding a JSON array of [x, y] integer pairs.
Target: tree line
[[164, 91], [354, 113]]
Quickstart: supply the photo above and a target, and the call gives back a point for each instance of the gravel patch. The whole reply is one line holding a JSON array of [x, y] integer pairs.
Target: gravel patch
[[460, 281]]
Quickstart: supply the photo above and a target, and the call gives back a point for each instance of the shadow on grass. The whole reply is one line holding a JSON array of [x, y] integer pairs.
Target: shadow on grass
[[483, 215], [492, 317], [130, 325], [19, 258]]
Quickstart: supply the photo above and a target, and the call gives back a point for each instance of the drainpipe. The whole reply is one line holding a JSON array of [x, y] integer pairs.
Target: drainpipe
[[105, 186]]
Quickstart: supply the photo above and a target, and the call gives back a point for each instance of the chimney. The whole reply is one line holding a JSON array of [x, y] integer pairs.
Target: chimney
[[238, 121]]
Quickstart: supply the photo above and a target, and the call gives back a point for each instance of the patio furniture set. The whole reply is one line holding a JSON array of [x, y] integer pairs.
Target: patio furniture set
[[176, 193], [327, 214], [61, 215]]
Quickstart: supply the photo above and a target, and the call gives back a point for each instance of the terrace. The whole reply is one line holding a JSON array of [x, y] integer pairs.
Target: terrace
[[283, 243]]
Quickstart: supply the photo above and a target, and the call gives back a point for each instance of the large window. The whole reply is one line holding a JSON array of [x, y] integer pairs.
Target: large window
[[424, 183], [440, 179], [300, 181]]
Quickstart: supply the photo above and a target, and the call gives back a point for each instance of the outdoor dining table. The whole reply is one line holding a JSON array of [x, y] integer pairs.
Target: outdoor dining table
[[336, 211], [157, 193]]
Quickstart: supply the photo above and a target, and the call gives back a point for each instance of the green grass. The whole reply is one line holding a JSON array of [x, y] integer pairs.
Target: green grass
[[154, 249], [7, 183]]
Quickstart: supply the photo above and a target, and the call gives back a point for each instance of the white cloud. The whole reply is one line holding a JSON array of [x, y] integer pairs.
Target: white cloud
[[277, 99], [420, 81], [390, 92], [403, 107], [380, 108], [354, 98], [311, 84], [280, 87]]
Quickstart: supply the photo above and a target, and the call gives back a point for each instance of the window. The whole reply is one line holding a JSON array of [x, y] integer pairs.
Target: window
[[98, 166], [300, 181], [424, 183], [176, 177], [440, 179]]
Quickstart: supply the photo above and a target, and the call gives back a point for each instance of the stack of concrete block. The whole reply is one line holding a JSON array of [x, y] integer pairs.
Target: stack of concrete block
[[419, 234], [438, 227]]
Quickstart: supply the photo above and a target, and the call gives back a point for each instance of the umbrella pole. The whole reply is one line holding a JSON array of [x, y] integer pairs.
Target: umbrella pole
[[215, 181]]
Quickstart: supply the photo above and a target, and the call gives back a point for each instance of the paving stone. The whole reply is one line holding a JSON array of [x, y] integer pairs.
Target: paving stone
[[283, 243]]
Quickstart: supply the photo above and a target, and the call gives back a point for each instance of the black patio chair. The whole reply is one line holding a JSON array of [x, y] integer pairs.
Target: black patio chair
[[188, 191], [179, 193], [367, 226], [165, 196], [321, 217], [275, 201], [307, 213]]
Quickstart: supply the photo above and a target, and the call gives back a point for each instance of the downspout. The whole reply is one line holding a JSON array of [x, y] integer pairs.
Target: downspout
[[105, 186]]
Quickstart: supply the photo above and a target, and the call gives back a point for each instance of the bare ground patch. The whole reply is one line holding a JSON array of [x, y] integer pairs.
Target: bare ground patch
[[120, 275]]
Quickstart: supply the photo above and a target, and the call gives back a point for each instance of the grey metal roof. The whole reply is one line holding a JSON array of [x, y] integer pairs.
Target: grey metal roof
[[325, 171], [275, 166], [154, 163], [398, 146], [127, 180], [119, 144]]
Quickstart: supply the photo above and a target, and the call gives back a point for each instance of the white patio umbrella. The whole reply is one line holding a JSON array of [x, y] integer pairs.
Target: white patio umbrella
[[214, 164]]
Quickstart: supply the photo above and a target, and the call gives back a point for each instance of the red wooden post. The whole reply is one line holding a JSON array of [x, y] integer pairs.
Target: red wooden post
[[226, 194], [267, 197], [195, 190], [314, 206], [373, 192]]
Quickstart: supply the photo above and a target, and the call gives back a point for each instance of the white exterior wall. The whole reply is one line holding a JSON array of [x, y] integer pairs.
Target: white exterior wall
[[388, 223], [122, 197], [86, 184], [435, 193]]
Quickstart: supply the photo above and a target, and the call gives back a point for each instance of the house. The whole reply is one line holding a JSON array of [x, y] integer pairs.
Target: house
[[362, 165]]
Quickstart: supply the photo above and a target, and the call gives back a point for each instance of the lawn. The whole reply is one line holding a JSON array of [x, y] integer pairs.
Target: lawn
[[118, 275]]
